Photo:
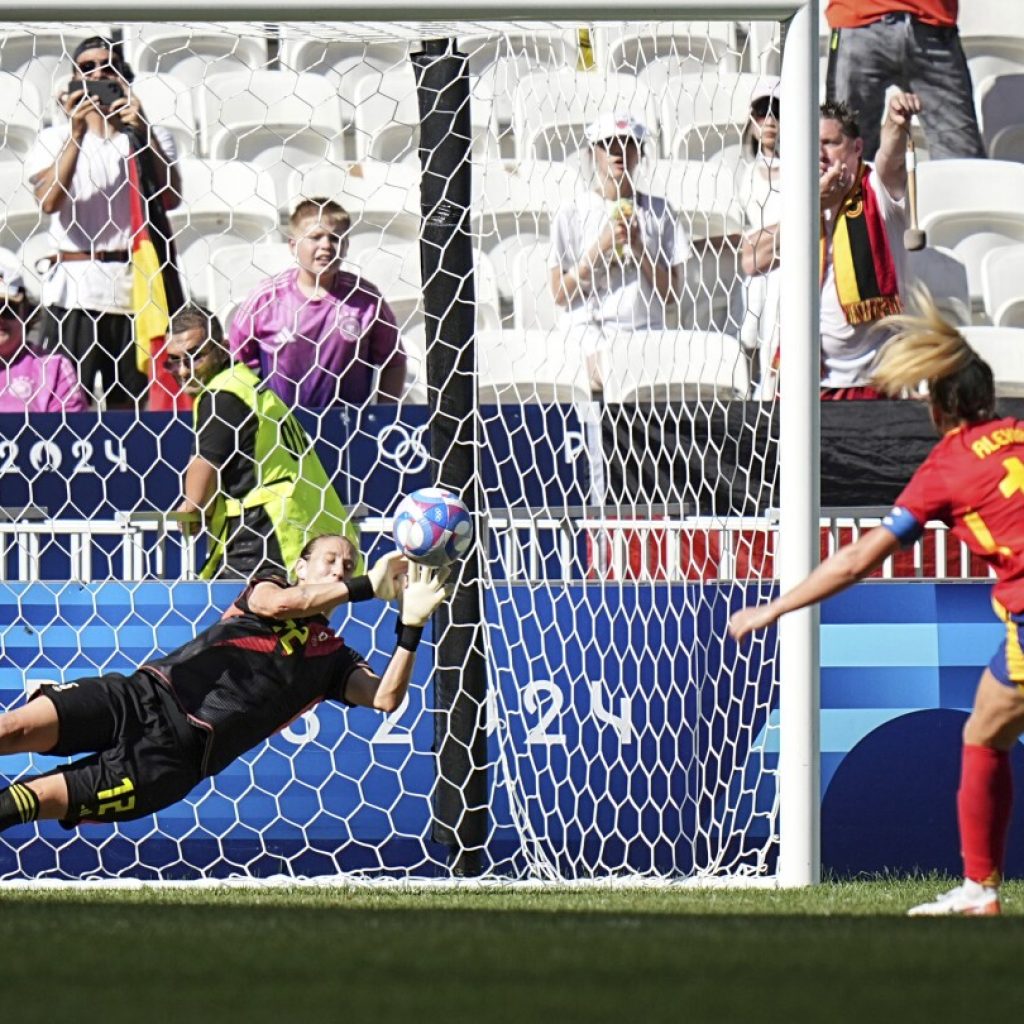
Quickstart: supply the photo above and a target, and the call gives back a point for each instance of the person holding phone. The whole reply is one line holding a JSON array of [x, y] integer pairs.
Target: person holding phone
[[80, 174]]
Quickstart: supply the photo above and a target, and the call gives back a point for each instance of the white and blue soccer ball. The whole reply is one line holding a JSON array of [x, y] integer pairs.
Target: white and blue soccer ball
[[433, 526]]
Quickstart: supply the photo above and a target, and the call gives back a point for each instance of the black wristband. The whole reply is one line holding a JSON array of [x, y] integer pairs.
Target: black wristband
[[409, 636], [360, 588]]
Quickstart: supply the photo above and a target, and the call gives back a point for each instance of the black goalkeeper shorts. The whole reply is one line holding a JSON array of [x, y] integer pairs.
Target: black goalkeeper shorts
[[147, 756]]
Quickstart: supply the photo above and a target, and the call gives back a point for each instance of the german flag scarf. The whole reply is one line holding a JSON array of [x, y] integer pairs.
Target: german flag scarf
[[156, 287], [864, 268]]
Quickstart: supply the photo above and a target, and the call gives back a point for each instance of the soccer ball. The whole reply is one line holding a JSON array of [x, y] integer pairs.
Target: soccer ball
[[432, 526]]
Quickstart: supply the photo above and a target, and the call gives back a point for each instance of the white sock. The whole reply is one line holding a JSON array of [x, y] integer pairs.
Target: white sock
[[975, 889]]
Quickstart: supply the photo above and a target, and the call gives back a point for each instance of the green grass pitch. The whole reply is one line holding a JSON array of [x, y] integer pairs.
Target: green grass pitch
[[838, 952]]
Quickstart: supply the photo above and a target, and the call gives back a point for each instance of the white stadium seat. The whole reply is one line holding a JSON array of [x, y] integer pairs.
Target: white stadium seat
[[673, 366], [1008, 144], [533, 304], [553, 107], [192, 52], [704, 114], [690, 44], [1002, 279], [277, 119], [20, 216], [167, 101], [1000, 101], [531, 366], [21, 117], [224, 203], [945, 277], [235, 270], [965, 205], [387, 119], [1003, 349]]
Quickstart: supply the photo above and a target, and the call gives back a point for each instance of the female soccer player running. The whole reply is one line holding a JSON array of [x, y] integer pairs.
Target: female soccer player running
[[190, 713], [973, 480]]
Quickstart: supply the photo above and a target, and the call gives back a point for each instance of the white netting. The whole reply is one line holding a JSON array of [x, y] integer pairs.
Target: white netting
[[625, 477]]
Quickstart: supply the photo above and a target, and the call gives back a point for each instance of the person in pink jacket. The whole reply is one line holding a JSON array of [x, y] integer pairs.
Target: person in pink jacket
[[30, 381]]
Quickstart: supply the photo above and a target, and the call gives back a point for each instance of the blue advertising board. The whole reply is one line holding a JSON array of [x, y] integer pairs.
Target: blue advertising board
[[618, 731]]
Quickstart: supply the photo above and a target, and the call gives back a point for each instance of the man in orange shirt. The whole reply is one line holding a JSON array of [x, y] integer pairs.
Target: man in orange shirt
[[914, 45]]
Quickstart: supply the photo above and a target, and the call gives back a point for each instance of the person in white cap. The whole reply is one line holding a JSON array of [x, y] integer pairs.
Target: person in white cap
[[30, 381], [616, 254]]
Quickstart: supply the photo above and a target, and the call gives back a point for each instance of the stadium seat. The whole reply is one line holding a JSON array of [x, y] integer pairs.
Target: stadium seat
[[702, 193], [1002, 274], [387, 119], [497, 62], [225, 203], [691, 44], [167, 101], [277, 119], [378, 196], [503, 259], [1008, 144], [945, 277], [552, 108], [1000, 101], [674, 366], [963, 205], [530, 366], [764, 46], [235, 270], [533, 304], [192, 53], [20, 216], [35, 249], [520, 199], [1003, 349], [345, 62], [41, 58], [21, 117], [706, 113]]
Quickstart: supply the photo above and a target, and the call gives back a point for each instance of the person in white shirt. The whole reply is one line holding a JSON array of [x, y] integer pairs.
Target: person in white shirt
[[617, 254], [80, 174]]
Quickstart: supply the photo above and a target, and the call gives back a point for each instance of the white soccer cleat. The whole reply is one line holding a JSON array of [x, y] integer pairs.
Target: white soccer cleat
[[967, 900]]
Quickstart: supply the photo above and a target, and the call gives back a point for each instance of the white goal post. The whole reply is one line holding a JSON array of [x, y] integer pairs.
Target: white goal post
[[795, 816]]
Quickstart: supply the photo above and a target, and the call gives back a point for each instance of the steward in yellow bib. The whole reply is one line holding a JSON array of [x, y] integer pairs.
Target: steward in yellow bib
[[255, 475]]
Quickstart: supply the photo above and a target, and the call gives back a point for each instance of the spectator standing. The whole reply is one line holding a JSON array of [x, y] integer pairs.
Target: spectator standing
[[255, 476], [915, 46], [317, 334], [758, 192], [30, 381], [617, 253], [81, 176], [863, 217]]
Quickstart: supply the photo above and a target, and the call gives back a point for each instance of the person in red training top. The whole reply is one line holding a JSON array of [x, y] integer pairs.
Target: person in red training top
[[30, 381], [973, 480], [914, 45]]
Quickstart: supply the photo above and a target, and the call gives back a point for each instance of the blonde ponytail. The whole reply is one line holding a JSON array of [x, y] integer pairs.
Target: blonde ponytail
[[925, 346]]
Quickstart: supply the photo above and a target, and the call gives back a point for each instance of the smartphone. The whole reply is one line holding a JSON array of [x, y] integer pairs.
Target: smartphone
[[103, 90]]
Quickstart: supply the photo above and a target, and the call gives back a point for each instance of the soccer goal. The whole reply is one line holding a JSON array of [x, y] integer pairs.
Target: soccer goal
[[557, 214]]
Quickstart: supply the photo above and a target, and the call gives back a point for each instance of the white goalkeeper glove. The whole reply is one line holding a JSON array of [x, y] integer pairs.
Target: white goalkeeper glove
[[424, 592], [386, 576]]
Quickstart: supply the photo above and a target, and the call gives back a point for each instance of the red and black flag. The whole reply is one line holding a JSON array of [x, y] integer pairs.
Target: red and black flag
[[156, 286]]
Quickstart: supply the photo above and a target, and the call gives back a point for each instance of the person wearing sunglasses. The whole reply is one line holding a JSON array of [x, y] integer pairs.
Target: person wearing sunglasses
[[757, 188], [81, 175], [30, 380], [255, 478]]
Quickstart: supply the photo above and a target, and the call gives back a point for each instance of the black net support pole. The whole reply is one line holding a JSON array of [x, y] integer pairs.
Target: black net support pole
[[446, 260]]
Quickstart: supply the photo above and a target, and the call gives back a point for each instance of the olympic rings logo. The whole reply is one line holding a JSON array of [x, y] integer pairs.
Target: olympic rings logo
[[404, 447]]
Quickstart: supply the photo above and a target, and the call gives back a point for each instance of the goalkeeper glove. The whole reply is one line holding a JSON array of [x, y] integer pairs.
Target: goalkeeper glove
[[386, 576], [424, 592]]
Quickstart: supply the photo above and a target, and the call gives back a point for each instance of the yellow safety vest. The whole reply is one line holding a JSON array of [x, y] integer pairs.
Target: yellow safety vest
[[291, 483]]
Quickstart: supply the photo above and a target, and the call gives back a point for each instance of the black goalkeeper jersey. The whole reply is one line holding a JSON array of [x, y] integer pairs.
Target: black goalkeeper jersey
[[245, 677]]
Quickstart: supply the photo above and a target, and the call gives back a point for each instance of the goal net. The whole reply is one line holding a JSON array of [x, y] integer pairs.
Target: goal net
[[559, 219]]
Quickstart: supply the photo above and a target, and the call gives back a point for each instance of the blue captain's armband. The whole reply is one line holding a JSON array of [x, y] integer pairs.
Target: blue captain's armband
[[903, 525]]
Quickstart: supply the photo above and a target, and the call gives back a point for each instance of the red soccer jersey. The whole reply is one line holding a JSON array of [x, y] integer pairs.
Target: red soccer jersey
[[973, 480]]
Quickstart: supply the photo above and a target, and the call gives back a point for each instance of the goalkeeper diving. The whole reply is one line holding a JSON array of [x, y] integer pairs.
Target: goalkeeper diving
[[154, 735]]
